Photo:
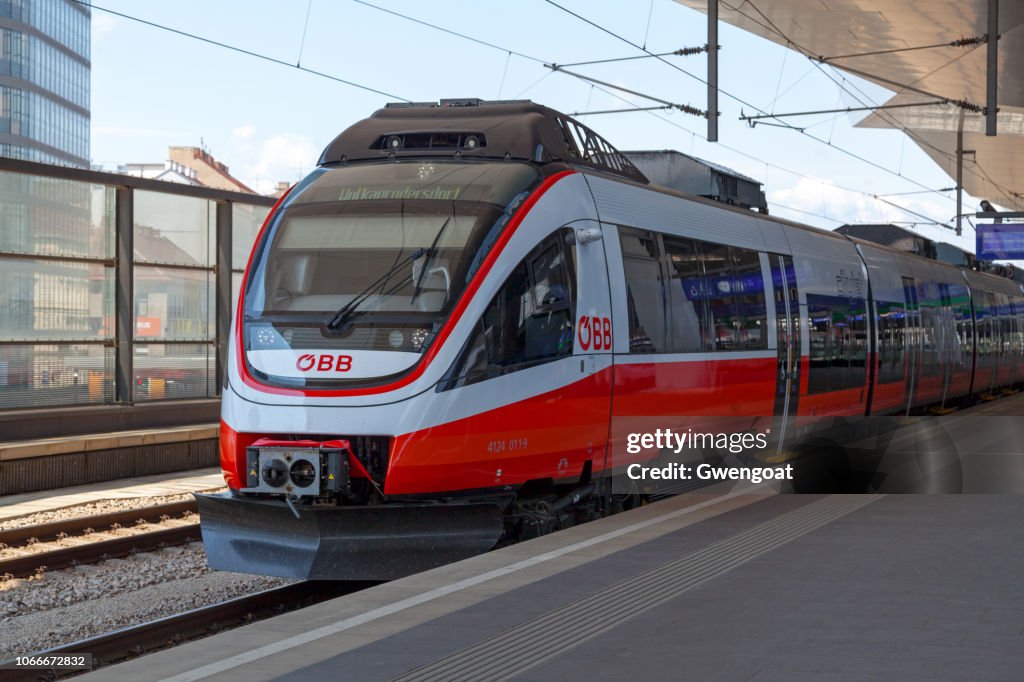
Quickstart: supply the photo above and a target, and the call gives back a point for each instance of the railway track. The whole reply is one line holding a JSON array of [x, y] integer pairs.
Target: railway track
[[100, 549], [197, 623]]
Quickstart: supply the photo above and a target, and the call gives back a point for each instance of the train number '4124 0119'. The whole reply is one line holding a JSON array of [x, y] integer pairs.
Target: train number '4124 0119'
[[507, 445]]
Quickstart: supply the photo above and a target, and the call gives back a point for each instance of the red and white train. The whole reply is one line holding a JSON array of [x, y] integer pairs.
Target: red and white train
[[449, 329]]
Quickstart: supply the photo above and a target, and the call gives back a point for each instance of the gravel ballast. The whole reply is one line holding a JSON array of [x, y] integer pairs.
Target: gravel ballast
[[95, 508], [65, 606]]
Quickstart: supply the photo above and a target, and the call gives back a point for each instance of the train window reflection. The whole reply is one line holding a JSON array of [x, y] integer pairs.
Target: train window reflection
[[892, 320], [528, 322], [838, 343], [748, 287], [645, 292], [690, 323], [686, 295]]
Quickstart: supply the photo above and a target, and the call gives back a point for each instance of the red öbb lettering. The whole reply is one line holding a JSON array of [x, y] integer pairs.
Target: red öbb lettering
[[323, 363], [584, 333], [594, 331]]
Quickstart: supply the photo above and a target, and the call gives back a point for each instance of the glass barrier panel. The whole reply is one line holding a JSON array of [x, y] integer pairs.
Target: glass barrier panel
[[174, 304], [55, 217], [40, 375], [52, 300], [168, 371], [246, 221], [175, 230]]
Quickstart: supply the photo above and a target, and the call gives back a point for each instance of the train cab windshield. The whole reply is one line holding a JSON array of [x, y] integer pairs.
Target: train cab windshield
[[361, 267]]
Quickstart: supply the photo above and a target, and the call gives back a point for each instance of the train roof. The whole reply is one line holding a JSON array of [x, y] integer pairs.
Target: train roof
[[475, 129], [523, 130], [998, 283]]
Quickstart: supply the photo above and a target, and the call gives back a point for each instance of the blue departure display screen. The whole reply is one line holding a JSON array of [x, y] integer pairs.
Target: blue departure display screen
[[1005, 242]]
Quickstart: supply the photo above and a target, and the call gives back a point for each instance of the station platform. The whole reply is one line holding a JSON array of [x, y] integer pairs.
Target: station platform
[[724, 584], [46, 464], [209, 478]]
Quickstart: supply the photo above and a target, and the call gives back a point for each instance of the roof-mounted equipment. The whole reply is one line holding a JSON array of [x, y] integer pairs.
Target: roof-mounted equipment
[[475, 129]]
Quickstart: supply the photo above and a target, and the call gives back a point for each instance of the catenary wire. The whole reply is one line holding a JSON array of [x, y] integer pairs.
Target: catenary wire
[[475, 40], [660, 58], [892, 120], [782, 124], [239, 50], [541, 61]]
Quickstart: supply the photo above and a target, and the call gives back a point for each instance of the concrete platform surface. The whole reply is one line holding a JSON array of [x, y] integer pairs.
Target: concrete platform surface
[[142, 486], [740, 585]]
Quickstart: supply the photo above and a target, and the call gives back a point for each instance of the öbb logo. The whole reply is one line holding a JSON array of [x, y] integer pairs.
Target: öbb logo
[[594, 332], [323, 363]]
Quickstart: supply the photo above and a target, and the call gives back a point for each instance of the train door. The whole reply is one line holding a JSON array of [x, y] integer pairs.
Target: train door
[[913, 337], [787, 326], [593, 327]]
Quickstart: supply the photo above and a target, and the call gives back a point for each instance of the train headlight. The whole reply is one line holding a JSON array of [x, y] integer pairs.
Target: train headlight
[[418, 338], [396, 339], [262, 337], [303, 473], [275, 473]]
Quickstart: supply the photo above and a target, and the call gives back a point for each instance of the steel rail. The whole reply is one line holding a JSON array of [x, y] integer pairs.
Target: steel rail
[[94, 552], [46, 532], [165, 632]]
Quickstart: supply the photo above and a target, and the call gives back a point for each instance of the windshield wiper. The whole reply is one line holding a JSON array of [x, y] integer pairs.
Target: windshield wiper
[[346, 311], [423, 270]]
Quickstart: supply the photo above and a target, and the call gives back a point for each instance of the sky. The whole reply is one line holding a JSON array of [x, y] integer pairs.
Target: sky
[[152, 88]]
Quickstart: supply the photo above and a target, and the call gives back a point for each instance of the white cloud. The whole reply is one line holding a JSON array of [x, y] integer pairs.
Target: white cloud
[[244, 132], [282, 157], [103, 24], [820, 197]]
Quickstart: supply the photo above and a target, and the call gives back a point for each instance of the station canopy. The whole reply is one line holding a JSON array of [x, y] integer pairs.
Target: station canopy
[[833, 28]]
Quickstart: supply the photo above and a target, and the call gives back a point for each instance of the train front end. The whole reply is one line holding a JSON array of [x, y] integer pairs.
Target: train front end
[[344, 327]]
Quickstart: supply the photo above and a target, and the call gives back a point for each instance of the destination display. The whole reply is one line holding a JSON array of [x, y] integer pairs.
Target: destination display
[[1002, 242]]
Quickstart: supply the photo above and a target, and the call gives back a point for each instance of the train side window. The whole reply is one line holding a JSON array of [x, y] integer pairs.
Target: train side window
[[645, 291], [725, 318], [748, 287], [821, 345], [1005, 329], [691, 329], [961, 308], [528, 322], [980, 323], [891, 342], [991, 336], [838, 343], [1015, 311]]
